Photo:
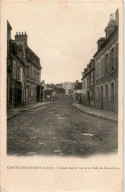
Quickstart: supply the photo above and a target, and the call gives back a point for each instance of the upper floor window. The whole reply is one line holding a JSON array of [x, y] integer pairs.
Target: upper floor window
[[21, 74], [112, 59], [92, 75], [117, 55], [87, 82], [18, 77], [106, 63], [37, 76], [14, 69], [27, 71]]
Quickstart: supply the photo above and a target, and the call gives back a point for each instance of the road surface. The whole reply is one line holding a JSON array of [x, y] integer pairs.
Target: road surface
[[59, 129]]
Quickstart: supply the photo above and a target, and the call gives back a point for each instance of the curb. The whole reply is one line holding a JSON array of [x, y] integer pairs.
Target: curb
[[95, 115], [24, 110]]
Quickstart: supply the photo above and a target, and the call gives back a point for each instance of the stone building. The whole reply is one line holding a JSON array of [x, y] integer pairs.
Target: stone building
[[33, 83], [23, 71], [68, 87], [9, 68], [16, 70], [33, 70], [88, 80], [106, 67], [77, 91]]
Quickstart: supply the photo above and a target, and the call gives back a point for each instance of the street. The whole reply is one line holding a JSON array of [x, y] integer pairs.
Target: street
[[58, 128]]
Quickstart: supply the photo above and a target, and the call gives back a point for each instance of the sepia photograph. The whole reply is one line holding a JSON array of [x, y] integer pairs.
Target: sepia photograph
[[61, 95]]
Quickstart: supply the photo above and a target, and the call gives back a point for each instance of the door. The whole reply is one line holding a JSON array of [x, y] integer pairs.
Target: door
[[27, 94], [101, 96]]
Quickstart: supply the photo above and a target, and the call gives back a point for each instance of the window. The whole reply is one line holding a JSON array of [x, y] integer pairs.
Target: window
[[112, 91], [117, 55], [21, 74], [106, 63], [27, 71], [37, 76], [106, 92], [14, 69], [112, 59], [18, 77], [32, 89], [92, 79], [87, 82], [32, 72], [97, 93]]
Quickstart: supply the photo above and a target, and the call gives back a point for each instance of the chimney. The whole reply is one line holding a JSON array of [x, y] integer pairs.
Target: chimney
[[21, 38], [117, 16], [111, 26], [100, 42]]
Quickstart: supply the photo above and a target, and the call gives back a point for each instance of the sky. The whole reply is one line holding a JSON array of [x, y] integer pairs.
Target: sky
[[63, 34]]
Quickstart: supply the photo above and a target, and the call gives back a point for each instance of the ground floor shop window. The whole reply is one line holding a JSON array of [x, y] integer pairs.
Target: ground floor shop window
[[97, 93], [112, 91]]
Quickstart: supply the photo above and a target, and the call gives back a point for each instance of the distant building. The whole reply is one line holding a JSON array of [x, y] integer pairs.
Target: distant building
[[88, 84], [43, 88], [68, 87], [106, 67], [49, 94], [77, 91]]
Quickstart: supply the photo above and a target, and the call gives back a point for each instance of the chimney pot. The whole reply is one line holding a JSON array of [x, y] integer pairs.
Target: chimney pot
[[111, 17]]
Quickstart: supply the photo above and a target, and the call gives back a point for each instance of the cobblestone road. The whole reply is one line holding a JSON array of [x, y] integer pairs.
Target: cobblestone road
[[59, 129]]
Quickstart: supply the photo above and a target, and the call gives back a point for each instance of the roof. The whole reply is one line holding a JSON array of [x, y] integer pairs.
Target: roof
[[28, 48], [8, 25], [107, 40]]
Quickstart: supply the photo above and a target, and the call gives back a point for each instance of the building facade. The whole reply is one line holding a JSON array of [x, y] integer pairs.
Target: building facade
[[68, 87], [23, 71], [88, 84], [9, 68], [16, 70], [33, 75], [106, 67], [77, 91]]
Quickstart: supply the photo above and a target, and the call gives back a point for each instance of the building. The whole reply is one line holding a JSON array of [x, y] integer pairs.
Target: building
[[49, 94], [77, 91], [33, 77], [68, 87], [43, 88], [9, 68], [16, 70], [106, 67], [23, 71], [88, 84]]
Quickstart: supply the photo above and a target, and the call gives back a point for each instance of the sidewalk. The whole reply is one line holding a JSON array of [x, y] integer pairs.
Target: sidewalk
[[14, 111], [105, 114]]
